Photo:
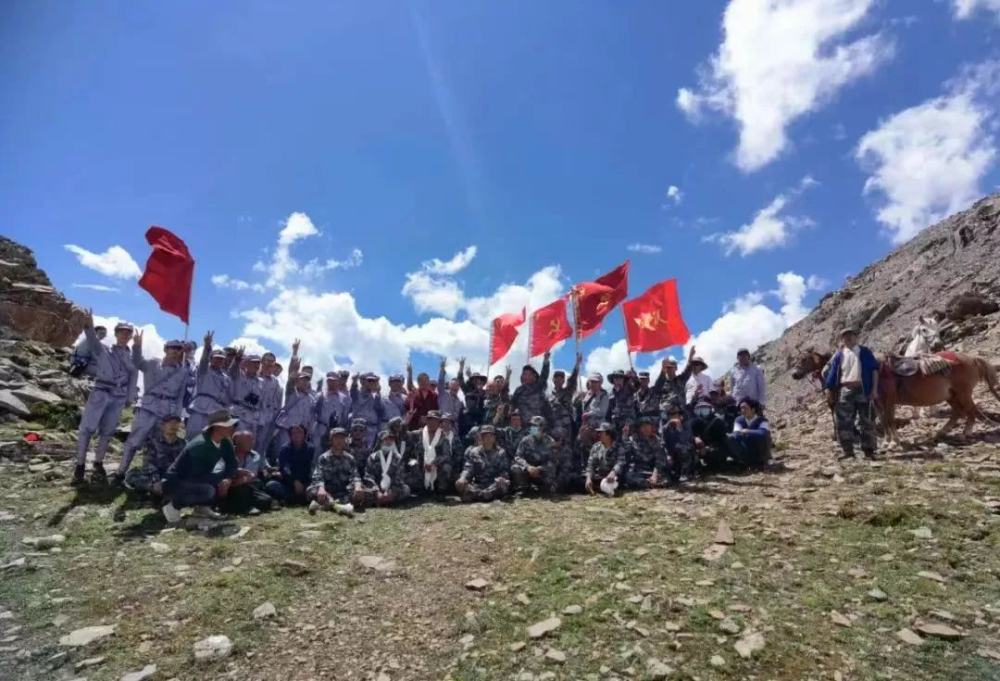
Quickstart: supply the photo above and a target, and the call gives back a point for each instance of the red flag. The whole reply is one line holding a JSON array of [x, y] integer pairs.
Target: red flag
[[593, 300], [653, 320], [504, 334], [549, 325], [169, 272]]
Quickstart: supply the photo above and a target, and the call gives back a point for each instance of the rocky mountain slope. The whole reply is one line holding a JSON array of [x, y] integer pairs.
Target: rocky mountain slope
[[951, 269]]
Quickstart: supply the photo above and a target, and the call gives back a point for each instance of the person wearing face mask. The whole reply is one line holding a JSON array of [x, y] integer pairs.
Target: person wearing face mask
[[710, 435], [607, 462], [383, 482], [334, 478], [486, 474], [534, 464], [165, 383]]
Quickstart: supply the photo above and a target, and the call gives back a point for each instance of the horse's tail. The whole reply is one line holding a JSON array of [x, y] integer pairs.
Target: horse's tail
[[988, 375]]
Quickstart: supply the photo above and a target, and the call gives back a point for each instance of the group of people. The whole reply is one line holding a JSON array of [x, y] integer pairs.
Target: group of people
[[343, 443]]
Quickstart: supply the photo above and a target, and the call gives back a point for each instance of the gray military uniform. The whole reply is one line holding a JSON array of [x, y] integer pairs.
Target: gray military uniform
[[114, 386], [163, 395], [248, 403], [213, 391]]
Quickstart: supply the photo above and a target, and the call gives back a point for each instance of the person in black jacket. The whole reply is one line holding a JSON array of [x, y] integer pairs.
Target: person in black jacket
[[710, 434], [295, 462]]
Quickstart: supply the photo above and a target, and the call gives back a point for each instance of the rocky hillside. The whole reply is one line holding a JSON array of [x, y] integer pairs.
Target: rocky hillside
[[951, 269]]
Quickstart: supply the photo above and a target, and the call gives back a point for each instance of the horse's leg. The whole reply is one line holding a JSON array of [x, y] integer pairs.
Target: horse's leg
[[956, 412], [970, 410]]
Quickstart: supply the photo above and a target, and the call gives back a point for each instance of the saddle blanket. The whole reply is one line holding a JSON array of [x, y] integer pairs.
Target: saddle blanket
[[928, 365]]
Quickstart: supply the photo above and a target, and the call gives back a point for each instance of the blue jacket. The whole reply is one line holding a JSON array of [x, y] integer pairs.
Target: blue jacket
[[296, 464], [868, 365]]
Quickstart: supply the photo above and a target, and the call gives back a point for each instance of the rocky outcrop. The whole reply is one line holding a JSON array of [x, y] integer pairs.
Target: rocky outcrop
[[30, 308], [950, 270]]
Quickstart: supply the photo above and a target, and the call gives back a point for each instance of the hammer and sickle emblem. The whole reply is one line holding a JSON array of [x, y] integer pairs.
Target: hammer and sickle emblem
[[554, 326], [650, 320], [605, 302]]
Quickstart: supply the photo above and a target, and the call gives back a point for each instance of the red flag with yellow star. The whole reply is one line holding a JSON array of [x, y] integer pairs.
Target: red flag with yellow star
[[593, 300], [504, 334], [549, 325], [653, 321]]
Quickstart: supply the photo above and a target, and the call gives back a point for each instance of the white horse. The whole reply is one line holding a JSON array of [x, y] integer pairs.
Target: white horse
[[926, 339]]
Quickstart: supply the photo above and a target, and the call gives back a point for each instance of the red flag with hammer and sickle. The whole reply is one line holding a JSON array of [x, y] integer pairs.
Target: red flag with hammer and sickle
[[549, 325], [593, 300], [653, 320]]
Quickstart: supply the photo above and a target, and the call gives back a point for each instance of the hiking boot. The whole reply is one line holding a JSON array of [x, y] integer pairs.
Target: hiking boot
[[870, 453], [847, 453], [344, 509], [206, 513], [171, 513], [79, 473], [99, 475], [314, 507], [115, 480]]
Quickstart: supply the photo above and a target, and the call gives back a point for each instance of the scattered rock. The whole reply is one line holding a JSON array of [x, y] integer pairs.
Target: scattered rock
[[656, 669], [647, 604], [557, 656], [89, 662], [44, 543], [907, 636], [927, 574], [477, 584], [12, 404], [728, 626], [87, 635], [922, 533], [213, 648], [265, 611], [544, 627], [377, 563], [523, 599], [939, 631], [159, 547], [572, 609], [30, 394], [517, 647], [146, 672], [749, 644], [877, 594], [717, 661], [294, 568], [724, 535], [840, 620], [714, 552]]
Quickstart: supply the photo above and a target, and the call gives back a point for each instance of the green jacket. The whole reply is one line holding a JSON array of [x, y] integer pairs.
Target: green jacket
[[199, 458]]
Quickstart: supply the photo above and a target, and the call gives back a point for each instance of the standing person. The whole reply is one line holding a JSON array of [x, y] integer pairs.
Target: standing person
[[213, 390], [114, 387], [746, 379], [621, 404], [672, 386], [192, 479], [248, 394], [851, 389], [606, 465], [595, 403], [165, 384], [647, 397], [529, 397], [357, 446], [475, 398], [367, 405], [300, 400], [395, 401], [421, 399], [448, 400], [486, 473], [497, 400], [561, 399], [162, 449], [271, 397], [328, 413], [83, 359], [699, 384]]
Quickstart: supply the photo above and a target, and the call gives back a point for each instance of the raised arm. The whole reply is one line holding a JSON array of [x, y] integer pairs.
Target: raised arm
[[442, 375], [206, 354], [574, 378], [684, 375], [543, 377], [409, 377], [93, 342]]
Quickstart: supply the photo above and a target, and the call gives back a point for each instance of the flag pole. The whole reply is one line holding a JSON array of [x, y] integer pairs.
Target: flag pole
[[625, 326], [576, 335]]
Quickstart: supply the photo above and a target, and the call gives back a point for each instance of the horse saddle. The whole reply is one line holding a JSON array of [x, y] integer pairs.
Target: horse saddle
[[928, 365]]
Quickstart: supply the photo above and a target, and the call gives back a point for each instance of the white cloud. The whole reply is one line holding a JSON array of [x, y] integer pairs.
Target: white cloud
[[225, 281], [927, 161], [97, 287], [432, 288], [964, 9], [458, 262], [298, 226], [315, 267], [780, 60], [674, 197], [114, 262], [649, 249], [770, 228]]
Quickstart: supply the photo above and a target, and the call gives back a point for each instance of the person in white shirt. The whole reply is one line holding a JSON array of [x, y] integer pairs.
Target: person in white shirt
[[699, 384]]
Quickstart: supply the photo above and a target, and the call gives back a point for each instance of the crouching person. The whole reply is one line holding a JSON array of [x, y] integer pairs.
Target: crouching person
[[606, 465], [161, 451], [191, 479], [383, 484], [248, 489], [335, 478], [486, 475], [534, 462], [647, 467], [295, 463]]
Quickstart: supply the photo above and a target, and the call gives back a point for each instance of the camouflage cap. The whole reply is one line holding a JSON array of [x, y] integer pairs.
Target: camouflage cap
[[487, 430], [537, 421]]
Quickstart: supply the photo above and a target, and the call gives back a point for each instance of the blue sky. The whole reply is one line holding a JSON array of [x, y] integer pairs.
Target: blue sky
[[804, 138]]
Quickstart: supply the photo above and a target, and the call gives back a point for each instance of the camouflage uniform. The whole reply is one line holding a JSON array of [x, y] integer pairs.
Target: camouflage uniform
[[156, 460], [336, 472], [622, 405], [852, 402], [537, 452], [561, 404], [482, 468], [359, 447], [647, 454], [530, 401], [416, 458], [602, 461], [569, 471], [510, 439], [373, 479], [492, 404]]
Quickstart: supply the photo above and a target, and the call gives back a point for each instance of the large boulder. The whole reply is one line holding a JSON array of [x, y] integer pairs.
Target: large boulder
[[30, 308]]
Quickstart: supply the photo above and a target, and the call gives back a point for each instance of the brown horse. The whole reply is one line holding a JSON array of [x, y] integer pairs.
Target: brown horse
[[953, 386]]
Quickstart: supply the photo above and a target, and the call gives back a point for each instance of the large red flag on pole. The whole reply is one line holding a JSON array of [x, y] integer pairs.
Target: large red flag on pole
[[549, 325], [504, 334], [593, 300], [169, 272], [653, 320]]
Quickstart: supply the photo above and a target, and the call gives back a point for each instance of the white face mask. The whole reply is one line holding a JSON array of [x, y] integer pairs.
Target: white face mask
[[386, 448]]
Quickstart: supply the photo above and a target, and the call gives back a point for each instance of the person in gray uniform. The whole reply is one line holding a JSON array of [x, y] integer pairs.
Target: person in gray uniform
[[114, 387], [83, 364], [300, 404], [271, 397], [164, 386], [213, 391], [248, 394], [328, 413], [395, 401], [367, 405]]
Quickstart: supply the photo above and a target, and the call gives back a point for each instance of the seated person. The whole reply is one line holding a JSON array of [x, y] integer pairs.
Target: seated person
[[295, 463], [454, 444], [162, 449], [534, 465], [191, 479], [486, 474], [750, 442], [647, 466], [510, 437], [248, 490], [335, 477], [429, 468], [569, 472], [711, 437], [607, 462], [383, 484], [678, 442]]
